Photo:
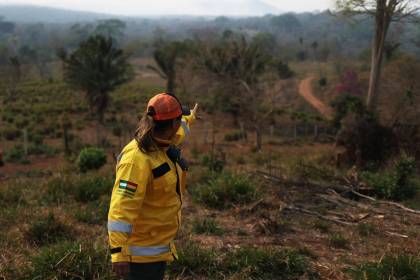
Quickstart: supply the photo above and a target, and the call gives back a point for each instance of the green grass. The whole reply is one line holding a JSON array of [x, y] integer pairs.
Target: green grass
[[398, 267], [244, 263], [207, 226], [70, 261], [47, 230]]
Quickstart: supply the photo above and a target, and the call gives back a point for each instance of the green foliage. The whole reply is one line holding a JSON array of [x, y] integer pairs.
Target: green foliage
[[92, 188], [402, 267], [15, 154], [91, 158], [245, 263], [283, 70], [323, 82], [98, 67], [193, 260], [344, 104], [11, 196], [70, 261], [41, 149], [225, 190], [11, 133], [46, 230], [166, 55], [93, 213], [207, 226], [397, 185], [235, 136], [213, 164], [339, 241], [265, 264]]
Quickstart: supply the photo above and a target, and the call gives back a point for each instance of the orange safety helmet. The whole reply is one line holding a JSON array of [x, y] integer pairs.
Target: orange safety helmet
[[164, 106]]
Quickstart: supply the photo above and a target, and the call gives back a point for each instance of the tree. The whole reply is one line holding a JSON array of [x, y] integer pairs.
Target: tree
[[97, 67], [384, 13], [166, 55], [240, 68], [111, 28]]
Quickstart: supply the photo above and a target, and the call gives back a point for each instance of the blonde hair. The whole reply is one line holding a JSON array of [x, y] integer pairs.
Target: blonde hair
[[144, 134], [145, 130]]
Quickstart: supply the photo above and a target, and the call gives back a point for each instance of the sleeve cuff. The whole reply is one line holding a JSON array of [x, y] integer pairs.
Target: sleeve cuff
[[119, 257]]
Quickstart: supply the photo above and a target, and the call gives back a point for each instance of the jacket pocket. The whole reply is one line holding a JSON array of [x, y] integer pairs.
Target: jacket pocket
[[164, 179]]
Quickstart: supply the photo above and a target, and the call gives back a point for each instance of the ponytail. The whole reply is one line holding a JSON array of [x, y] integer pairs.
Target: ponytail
[[144, 134]]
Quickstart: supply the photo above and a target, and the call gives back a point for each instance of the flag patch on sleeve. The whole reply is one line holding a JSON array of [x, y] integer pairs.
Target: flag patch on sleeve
[[127, 186]]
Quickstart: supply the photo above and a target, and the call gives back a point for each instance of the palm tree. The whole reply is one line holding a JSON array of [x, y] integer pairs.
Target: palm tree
[[166, 56], [97, 67]]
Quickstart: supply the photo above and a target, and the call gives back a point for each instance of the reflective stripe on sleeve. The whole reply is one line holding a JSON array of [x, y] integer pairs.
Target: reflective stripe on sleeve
[[119, 226], [185, 127], [148, 251]]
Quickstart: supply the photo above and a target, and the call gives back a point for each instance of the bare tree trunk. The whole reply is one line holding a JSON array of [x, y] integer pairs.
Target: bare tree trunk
[[382, 22], [170, 85]]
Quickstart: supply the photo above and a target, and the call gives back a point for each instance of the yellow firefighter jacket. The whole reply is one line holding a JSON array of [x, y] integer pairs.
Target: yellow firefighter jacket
[[145, 209]]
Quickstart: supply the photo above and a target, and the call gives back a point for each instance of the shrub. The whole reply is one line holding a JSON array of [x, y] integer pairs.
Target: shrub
[[207, 226], [37, 138], [322, 82], [11, 133], [213, 164], [339, 241], [235, 136], [225, 190], [11, 196], [40, 149], [69, 261], [90, 189], [91, 158], [58, 189], [397, 185], [47, 230], [404, 267], [93, 214], [193, 261], [15, 154], [344, 104]]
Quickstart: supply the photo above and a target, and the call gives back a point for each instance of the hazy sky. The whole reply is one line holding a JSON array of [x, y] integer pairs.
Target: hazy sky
[[193, 7]]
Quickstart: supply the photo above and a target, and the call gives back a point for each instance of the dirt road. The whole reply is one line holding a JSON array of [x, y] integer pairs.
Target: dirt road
[[305, 90]]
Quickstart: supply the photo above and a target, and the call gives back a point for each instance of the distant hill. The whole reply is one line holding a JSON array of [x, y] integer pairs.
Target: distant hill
[[27, 14]]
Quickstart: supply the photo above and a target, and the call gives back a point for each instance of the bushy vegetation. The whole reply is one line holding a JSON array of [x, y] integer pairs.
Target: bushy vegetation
[[213, 164], [339, 241], [90, 159], [225, 190], [46, 230], [403, 267], [71, 260], [207, 226], [245, 263], [91, 189], [398, 184]]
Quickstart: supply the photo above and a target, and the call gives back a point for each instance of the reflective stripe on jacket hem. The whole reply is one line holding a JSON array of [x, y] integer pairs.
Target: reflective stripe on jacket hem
[[148, 251], [119, 226]]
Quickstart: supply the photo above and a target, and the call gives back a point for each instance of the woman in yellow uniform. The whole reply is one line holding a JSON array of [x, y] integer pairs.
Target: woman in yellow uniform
[[145, 210]]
